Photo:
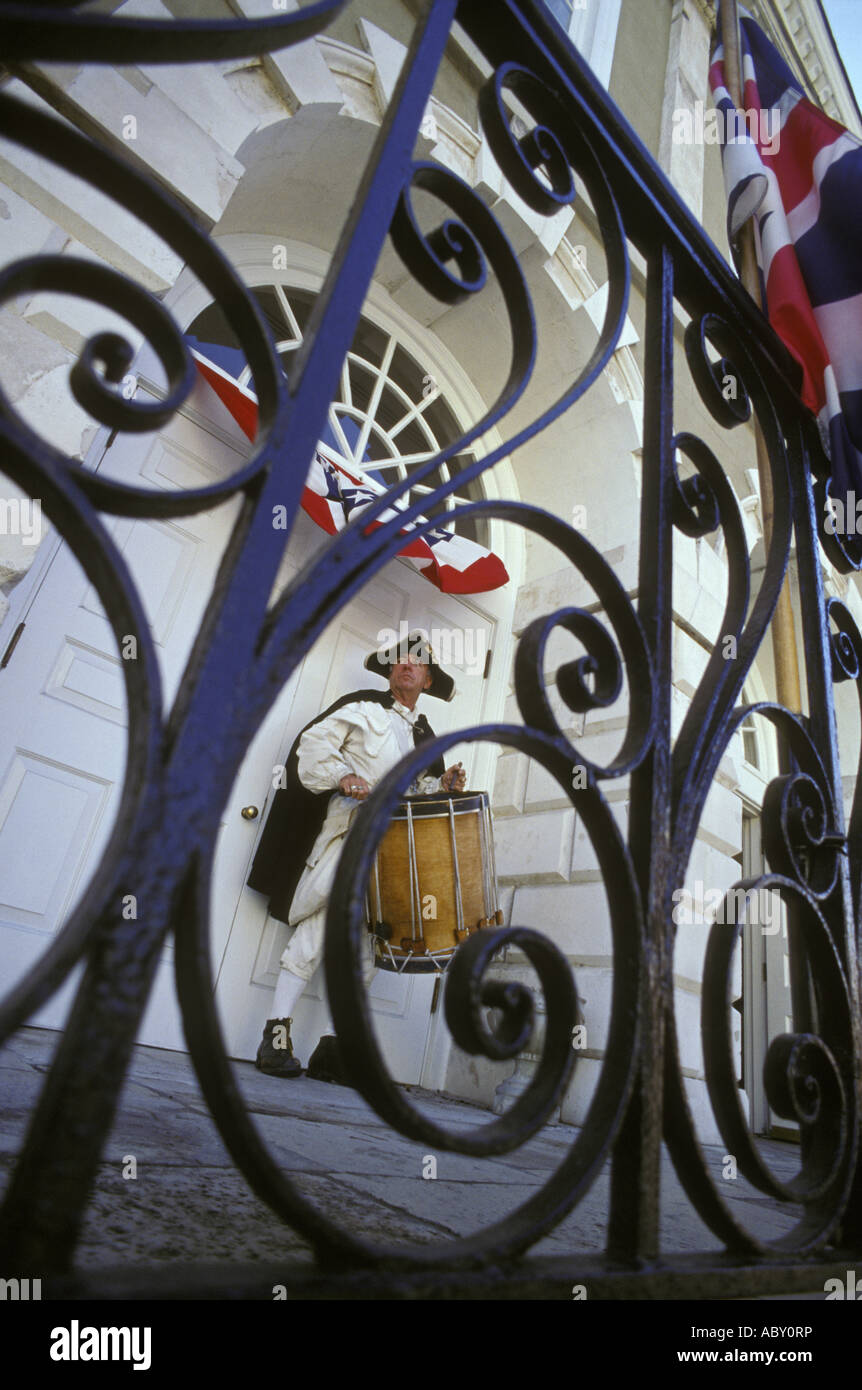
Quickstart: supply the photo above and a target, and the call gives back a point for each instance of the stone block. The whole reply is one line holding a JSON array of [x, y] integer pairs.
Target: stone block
[[584, 857], [601, 745], [91, 217], [689, 944], [689, 661], [388, 55], [711, 568], [721, 822], [596, 307], [707, 615], [36, 379], [575, 917], [166, 139], [595, 986], [25, 230], [711, 868], [70, 320], [687, 1014], [203, 94], [544, 792], [510, 785], [534, 848], [300, 73], [559, 589]]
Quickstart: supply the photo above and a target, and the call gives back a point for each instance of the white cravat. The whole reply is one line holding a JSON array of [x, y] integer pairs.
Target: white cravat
[[403, 726]]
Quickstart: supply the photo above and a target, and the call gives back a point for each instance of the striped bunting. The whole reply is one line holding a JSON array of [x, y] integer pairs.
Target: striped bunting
[[337, 493]]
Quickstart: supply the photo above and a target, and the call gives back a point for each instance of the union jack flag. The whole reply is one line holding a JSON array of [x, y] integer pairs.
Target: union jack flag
[[800, 173], [336, 493]]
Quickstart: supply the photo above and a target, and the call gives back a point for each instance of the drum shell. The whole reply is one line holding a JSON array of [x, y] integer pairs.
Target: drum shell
[[416, 890]]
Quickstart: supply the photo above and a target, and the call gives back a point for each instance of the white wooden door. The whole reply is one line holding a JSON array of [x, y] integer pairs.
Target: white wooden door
[[63, 733], [63, 728]]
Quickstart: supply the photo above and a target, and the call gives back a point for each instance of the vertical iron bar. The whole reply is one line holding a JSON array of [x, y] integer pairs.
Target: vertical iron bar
[[635, 1174]]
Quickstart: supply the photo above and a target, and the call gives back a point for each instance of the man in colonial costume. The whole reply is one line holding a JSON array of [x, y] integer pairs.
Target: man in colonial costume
[[333, 766]]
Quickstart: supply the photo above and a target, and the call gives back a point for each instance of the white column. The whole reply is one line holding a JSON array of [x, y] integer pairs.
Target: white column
[[686, 83]]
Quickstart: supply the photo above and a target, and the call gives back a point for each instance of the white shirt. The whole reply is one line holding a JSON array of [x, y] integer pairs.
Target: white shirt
[[363, 739]]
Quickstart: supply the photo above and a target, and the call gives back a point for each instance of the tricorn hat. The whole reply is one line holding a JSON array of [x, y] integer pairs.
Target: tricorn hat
[[417, 647]]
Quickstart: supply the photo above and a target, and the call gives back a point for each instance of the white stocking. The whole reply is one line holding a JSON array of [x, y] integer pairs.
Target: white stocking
[[287, 993]]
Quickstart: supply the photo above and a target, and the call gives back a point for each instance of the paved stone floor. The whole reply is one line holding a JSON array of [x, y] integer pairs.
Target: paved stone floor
[[188, 1203]]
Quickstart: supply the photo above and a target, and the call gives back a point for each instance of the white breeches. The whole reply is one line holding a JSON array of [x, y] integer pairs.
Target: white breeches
[[304, 951]]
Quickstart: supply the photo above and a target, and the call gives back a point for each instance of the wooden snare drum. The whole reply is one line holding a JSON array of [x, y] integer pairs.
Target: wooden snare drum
[[433, 881]]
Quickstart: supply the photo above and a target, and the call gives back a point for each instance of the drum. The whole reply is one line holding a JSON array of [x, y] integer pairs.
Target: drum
[[433, 881]]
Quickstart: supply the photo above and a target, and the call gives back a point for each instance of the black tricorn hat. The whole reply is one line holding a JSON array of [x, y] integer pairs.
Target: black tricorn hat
[[416, 646]]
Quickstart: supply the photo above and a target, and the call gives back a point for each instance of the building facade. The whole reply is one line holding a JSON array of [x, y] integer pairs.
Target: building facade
[[265, 154]]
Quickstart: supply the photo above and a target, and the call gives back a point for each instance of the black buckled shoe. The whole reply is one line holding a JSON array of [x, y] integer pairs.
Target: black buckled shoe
[[325, 1063], [275, 1054]]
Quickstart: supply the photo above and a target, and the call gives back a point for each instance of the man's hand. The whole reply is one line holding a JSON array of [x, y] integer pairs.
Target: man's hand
[[454, 779], [354, 786]]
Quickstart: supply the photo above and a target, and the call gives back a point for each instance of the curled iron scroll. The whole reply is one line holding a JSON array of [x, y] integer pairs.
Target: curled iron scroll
[[698, 502], [544, 146], [808, 1077], [801, 832]]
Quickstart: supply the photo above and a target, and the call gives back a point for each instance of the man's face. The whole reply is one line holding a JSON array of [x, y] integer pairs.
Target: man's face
[[408, 678]]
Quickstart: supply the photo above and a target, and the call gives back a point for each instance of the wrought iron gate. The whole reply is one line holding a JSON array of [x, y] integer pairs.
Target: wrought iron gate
[[163, 843]]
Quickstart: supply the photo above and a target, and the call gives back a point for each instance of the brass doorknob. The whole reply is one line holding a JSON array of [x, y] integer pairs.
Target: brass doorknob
[[249, 812]]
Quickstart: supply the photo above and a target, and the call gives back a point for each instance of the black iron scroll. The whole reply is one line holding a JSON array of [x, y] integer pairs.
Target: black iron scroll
[[163, 843]]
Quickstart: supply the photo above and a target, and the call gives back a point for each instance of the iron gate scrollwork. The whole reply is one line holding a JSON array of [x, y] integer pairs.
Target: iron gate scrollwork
[[166, 829]]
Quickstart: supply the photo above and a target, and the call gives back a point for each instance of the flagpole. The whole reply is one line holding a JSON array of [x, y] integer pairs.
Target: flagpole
[[785, 654]]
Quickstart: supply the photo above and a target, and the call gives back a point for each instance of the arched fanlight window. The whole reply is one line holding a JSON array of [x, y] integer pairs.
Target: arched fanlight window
[[390, 414]]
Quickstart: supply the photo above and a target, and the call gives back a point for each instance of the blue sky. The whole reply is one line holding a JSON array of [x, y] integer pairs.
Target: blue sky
[[845, 19]]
